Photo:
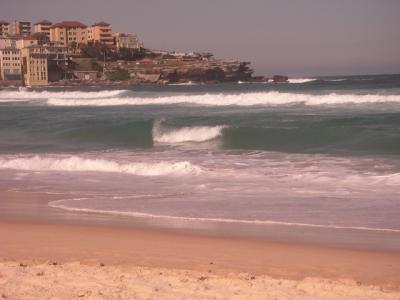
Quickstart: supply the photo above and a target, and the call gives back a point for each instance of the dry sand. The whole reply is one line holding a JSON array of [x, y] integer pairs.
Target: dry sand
[[77, 281], [55, 261]]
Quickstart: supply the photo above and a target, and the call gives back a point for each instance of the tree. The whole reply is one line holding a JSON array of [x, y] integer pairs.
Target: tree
[[119, 75]]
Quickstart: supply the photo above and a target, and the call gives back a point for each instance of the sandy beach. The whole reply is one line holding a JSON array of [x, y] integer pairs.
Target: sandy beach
[[57, 261], [250, 191]]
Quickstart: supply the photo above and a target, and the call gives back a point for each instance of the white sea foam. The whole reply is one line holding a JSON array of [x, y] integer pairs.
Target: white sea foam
[[76, 163], [184, 83], [63, 204], [25, 95], [243, 99], [336, 80], [300, 80], [125, 97], [186, 134]]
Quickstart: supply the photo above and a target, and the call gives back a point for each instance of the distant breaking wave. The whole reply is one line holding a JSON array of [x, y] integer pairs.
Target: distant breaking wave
[[36, 95], [243, 99], [76, 163], [336, 80], [301, 80], [125, 97], [185, 134]]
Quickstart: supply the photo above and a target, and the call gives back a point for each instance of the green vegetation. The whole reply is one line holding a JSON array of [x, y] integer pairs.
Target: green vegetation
[[119, 75], [86, 64], [168, 56], [102, 52]]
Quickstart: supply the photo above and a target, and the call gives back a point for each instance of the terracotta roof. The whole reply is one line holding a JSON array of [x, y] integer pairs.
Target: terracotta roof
[[44, 22], [69, 24], [4, 22], [101, 24]]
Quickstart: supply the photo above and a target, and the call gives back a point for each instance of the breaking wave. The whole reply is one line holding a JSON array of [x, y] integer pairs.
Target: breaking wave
[[300, 80], [185, 134], [243, 99], [75, 163], [126, 97], [336, 80], [12, 96]]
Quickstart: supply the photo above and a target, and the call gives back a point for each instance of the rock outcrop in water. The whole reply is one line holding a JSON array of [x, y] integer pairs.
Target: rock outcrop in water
[[280, 78]]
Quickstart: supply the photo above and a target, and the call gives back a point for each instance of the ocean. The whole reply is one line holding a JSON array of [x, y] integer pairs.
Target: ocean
[[315, 152]]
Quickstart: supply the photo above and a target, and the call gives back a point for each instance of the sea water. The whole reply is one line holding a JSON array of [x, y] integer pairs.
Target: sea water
[[317, 152]]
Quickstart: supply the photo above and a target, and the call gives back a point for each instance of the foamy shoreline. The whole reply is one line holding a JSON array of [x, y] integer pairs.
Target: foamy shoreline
[[48, 208]]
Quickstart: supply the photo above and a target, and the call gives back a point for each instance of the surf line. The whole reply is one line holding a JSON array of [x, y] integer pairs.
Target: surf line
[[57, 204]]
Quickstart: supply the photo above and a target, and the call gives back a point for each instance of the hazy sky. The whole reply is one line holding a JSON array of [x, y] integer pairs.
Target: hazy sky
[[293, 37]]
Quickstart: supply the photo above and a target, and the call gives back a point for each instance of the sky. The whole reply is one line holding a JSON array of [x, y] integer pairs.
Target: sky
[[291, 37]]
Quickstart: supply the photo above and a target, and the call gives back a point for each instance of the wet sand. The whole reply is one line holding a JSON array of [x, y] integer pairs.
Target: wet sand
[[74, 255], [98, 260]]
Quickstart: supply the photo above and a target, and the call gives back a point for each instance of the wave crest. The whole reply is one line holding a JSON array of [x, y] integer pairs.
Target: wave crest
[[75, 163], [40, 95], [301, 80], [243, 99], [186, 134], [126, 97]]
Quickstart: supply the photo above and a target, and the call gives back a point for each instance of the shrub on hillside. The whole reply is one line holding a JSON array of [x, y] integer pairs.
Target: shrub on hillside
[[119, 75]]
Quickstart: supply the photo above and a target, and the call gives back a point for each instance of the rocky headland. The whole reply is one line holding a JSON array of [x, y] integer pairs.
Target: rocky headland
[[159, 68]]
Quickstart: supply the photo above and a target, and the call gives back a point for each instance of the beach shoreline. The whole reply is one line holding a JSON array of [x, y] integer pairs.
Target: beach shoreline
[[33, 207], [73, 247], [29, 248]]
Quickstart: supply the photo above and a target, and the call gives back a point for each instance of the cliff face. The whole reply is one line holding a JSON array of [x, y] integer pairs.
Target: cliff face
[[166, 71], [158, 67]]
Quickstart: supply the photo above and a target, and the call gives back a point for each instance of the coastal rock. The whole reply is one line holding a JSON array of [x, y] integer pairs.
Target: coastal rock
[[280, 78], [149, 78], [165, 71]]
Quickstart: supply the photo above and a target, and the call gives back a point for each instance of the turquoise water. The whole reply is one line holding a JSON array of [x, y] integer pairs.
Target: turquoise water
[[314, 152]]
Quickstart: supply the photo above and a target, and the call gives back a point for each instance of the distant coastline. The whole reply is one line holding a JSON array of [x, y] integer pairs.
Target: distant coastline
[[70, 53]]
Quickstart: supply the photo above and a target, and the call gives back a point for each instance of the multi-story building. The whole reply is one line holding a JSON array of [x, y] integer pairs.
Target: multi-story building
[[35, 68], [24, 41], [43, 27], [127, 40], [18, 42], [100, 33], [68, 33], [22, 28], [4, 28], [44, 63], [7, 42], [10, 64], [57, 61]]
